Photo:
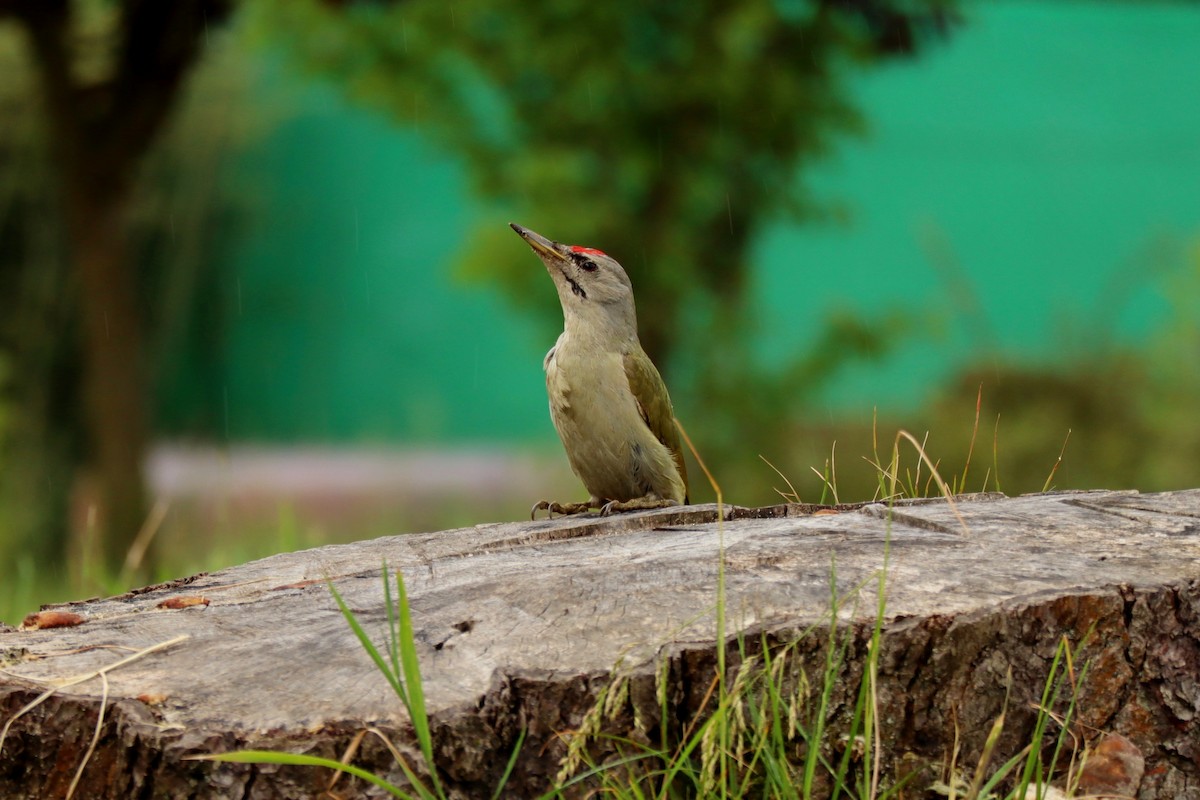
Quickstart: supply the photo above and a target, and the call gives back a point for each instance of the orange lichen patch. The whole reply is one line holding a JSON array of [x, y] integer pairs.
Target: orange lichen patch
[[1114, 768], [51, 619], [185, 601]]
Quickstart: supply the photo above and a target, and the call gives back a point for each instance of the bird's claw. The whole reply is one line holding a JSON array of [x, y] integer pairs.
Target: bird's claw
[[606, 509], [637, 504], [562, 509]]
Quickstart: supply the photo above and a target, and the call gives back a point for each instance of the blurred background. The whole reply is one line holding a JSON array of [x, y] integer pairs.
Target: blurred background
[[258, 292]]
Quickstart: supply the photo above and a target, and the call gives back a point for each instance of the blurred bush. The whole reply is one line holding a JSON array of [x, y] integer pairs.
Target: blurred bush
[[1120, 417]]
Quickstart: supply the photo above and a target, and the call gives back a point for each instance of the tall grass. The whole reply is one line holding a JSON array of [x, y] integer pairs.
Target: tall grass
[[766, 732]]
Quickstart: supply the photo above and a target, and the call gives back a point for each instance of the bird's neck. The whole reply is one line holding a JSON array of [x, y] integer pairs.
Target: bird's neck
[[600, 332]]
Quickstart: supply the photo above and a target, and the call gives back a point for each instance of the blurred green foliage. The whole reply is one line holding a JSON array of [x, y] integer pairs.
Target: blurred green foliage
[[1171, 400], [668, 134], [1119, 417]]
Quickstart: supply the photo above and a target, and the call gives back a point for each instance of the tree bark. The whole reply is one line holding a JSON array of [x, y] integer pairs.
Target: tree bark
[[521, 626]]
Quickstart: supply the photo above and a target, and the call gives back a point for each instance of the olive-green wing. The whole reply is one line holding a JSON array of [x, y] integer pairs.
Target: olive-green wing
[[655, 406]]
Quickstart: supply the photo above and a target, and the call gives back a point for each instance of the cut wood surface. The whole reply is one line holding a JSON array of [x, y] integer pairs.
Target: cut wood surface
[[519, 625]]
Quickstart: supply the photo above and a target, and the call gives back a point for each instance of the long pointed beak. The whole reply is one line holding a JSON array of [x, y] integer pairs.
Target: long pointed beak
[[540, 244]]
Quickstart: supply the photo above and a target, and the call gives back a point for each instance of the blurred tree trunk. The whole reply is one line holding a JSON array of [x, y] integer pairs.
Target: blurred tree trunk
[[113, 350], [103, 114]]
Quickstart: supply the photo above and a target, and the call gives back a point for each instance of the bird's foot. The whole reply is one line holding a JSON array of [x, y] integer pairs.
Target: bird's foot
[[636, 504], [558, 508]]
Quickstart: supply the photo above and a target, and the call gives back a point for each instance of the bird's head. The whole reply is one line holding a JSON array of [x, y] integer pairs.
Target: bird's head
[[591, 284]]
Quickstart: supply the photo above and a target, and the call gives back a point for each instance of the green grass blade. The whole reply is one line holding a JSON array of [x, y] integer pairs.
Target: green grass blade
[[1064, 731], [299, 759], [680, 764], [393, 624], [512, 762], [392, 678], [835, 656], [1033, 761], [412, 680], [998, 777]]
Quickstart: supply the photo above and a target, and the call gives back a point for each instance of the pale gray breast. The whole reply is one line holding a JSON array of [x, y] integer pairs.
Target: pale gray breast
[[607, 441]]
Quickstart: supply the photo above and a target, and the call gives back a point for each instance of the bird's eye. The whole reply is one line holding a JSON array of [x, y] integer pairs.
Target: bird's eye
[[583, 262]]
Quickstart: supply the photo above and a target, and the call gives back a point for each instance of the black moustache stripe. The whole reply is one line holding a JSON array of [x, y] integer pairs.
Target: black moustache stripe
[[575, 287]]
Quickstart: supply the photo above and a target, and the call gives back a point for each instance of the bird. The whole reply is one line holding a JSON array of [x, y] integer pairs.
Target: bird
[[607, 400]]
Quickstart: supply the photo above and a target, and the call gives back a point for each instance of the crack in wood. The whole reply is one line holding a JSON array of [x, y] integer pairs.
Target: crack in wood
[[910, 521]]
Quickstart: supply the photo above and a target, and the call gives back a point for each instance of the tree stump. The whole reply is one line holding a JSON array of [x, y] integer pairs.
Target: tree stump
[[520, 625]]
